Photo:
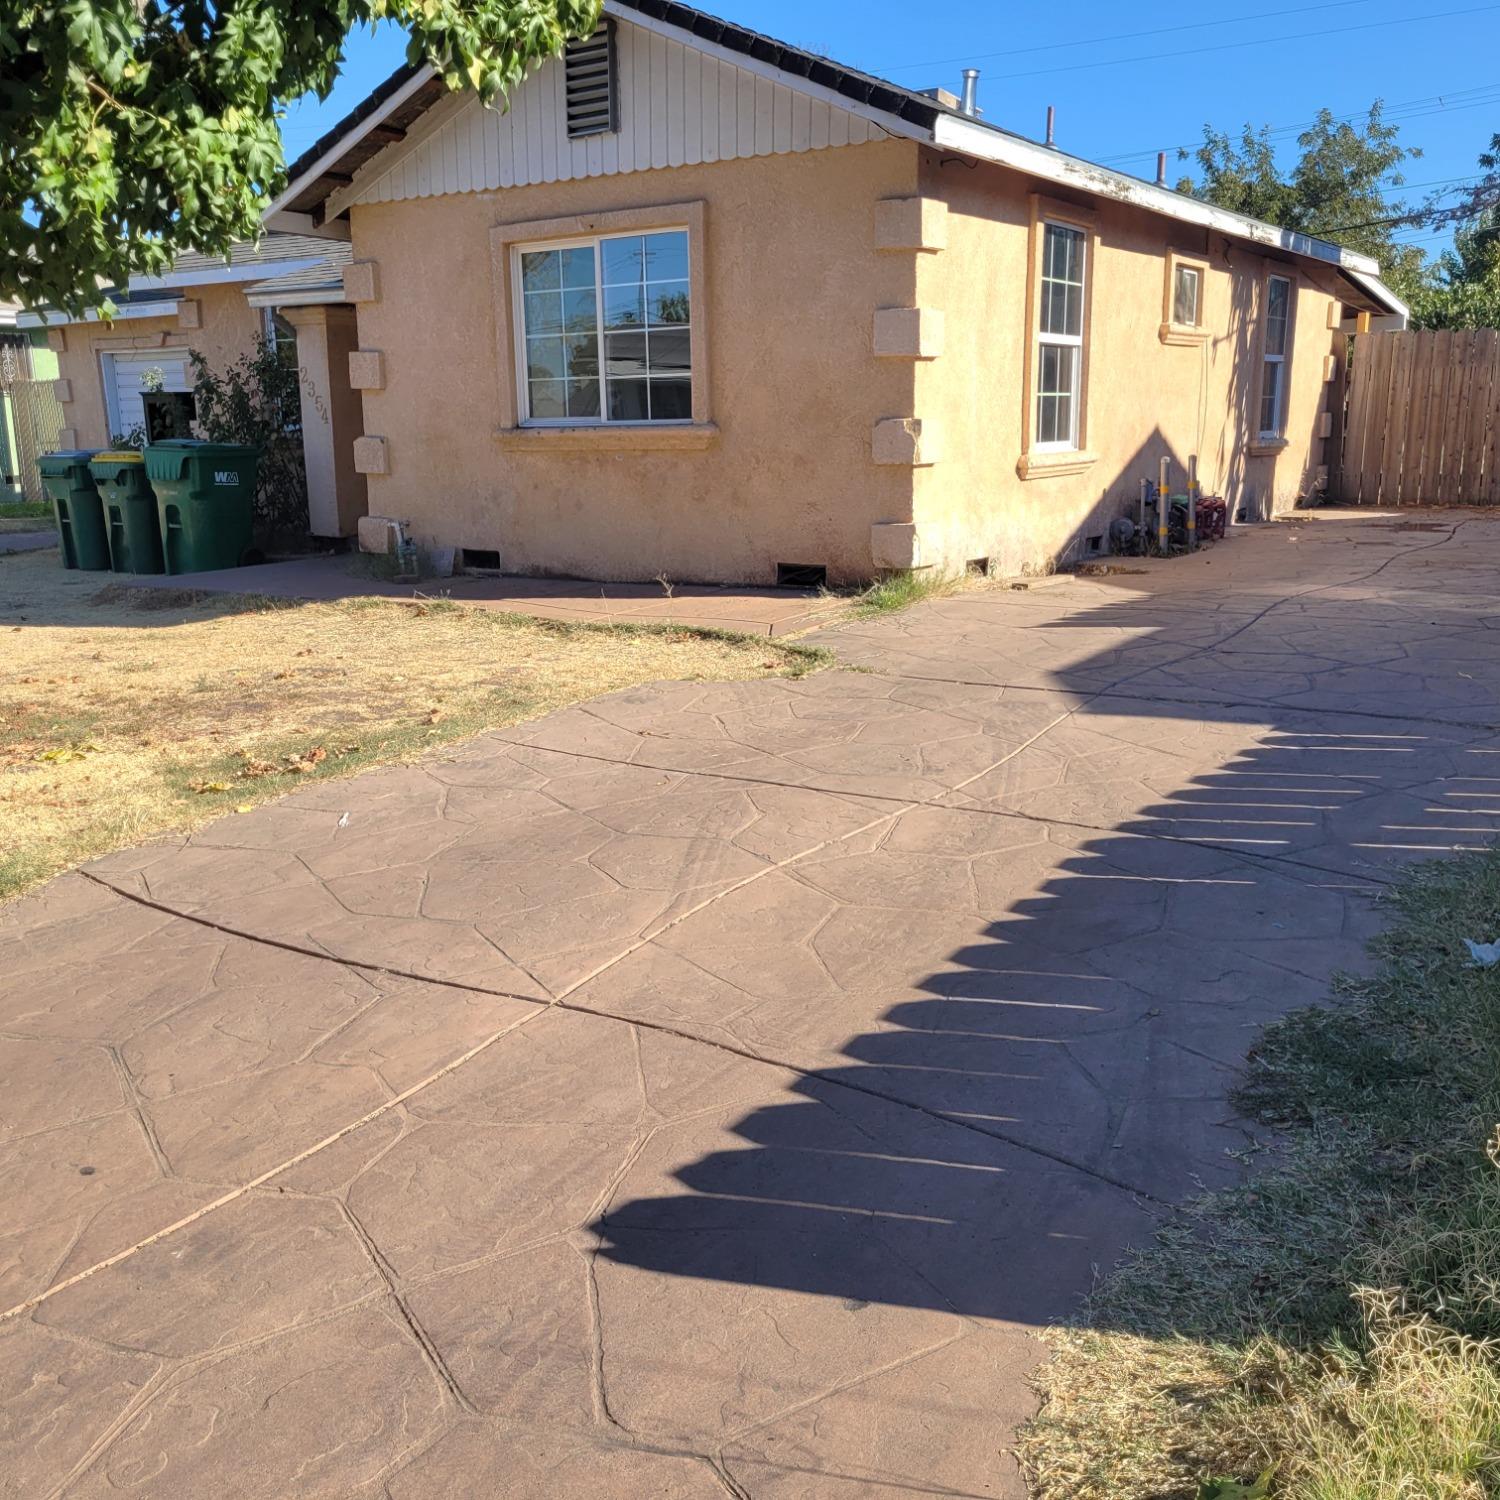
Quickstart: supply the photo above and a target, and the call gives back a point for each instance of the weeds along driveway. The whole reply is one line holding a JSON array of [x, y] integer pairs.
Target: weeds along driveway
[[705, 1090]]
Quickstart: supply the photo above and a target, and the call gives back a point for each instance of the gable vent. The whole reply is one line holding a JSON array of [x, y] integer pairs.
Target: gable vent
[[589, 77]]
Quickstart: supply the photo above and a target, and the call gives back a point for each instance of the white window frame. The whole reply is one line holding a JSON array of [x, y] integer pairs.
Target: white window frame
[[518, 324], [1073, 442], [1181, 268], [1280, 361]]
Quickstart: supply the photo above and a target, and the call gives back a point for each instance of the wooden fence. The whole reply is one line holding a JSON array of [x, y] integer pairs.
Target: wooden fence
[[1422, 423]]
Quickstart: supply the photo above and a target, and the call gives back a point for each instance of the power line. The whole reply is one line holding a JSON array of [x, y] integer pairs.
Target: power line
[[1122, 36], [1405, 110], [1297, 36]]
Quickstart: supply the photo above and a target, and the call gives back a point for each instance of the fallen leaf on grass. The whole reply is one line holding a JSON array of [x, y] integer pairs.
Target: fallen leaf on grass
[[64, 753], [203, 788], [308, 761]]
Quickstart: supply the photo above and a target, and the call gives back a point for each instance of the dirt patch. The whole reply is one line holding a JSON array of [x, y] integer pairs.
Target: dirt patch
[[125, 713]]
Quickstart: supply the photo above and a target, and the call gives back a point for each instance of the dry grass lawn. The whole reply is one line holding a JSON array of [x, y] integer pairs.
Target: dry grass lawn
[[127, 713]]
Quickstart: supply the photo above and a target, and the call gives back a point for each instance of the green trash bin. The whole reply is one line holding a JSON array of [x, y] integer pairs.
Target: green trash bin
[[76, 507], [205, 499], [130, 519]]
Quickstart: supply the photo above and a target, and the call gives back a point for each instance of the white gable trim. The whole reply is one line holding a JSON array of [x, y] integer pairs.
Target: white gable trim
[[987, 144], [680, 103], [329, 159]]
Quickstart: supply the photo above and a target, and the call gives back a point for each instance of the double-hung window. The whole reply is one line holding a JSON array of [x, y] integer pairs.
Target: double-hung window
[[604, 331], [1059, 353], [1273, 371]]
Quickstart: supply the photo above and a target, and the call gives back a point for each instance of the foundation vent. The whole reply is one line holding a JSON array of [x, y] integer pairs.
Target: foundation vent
[[801, 576], [589, 81]]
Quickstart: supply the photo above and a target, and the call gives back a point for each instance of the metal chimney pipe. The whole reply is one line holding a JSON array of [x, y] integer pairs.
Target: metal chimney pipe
[[969, 103], [1161, 169], [1051, 125]]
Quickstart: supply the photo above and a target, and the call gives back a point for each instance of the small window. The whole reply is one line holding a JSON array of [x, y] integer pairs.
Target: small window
[[1059, 383], [1277, 344], [1187, 289], [606, 330]]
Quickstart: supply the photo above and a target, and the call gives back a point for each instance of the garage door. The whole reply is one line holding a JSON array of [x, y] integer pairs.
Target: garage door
[[123, 375]]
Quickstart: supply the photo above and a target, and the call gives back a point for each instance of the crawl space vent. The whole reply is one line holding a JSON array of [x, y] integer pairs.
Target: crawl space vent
[[589, 80], [801, 576]]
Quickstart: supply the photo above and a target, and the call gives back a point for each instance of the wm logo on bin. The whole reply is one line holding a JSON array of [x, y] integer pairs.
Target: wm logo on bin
[[226, 476]]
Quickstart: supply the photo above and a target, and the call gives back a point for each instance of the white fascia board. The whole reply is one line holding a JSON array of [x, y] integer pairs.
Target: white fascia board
[[1383, 295], [423, 75], [263, 270], [891, 124], [167, 308], [306, 297], [1070, 171], [283, 221], [392, 156]]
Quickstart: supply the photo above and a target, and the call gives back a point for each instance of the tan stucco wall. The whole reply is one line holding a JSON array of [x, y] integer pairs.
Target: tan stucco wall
[[792, 282], [1146, 399], [229, 328], [816, 440]]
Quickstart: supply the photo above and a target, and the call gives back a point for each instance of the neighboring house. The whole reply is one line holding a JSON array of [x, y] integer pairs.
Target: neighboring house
[[704, 305], [288, 286]]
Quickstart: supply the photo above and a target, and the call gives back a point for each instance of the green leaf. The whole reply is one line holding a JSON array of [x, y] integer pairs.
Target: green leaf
[[1233, 1489]]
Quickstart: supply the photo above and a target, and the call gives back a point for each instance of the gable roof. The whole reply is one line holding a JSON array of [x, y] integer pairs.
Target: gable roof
[[385, 116]]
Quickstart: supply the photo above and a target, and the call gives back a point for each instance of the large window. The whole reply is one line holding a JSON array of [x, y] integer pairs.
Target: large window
[[1273, 373], [605, 330], [1059, 378]]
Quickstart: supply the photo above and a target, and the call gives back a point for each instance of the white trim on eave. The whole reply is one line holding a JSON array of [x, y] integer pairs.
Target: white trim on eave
[[263, 270], [1053, 166], [165, 307], [423, 75]]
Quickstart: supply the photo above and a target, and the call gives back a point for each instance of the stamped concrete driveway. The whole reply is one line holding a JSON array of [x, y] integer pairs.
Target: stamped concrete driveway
[[708, 1090]]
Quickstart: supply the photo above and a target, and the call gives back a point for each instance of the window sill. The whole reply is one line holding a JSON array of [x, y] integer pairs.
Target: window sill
[[1265, 447], [1054, 465], [610, 437], [1178, 333]]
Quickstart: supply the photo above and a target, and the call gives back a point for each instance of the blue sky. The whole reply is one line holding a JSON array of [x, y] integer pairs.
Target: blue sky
[[1120, 98]]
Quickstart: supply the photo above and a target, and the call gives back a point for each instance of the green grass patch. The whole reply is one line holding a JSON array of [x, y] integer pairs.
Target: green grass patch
[[26, 510], [1330, 1325], [902, 590]]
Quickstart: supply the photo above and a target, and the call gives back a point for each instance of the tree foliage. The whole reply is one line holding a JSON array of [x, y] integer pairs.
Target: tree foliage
[[1465, 288], [132, 130], [1336, 190]]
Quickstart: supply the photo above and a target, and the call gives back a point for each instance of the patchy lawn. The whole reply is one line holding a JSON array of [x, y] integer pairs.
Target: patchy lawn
[[128, 713], [1328, 1330], [25, 515]]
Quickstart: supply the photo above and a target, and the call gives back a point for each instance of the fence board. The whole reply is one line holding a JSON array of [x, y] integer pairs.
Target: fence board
[[1376, 394], [1485, 357], [1423, 420]]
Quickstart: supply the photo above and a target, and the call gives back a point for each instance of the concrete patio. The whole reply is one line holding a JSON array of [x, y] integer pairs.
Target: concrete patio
[[708, 1090]]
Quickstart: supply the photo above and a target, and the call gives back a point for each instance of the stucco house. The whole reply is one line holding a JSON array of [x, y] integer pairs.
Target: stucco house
[[702, 304]]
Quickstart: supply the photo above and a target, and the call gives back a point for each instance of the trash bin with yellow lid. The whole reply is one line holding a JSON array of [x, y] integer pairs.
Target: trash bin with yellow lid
[[76, 507], [205, 499], [130, 518]]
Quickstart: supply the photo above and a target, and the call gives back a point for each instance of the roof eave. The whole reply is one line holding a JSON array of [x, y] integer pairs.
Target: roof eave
[[50, 317], [985, 142]]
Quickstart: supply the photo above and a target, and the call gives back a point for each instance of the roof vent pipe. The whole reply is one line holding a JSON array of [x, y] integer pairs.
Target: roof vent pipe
[[1051, 126], [969, 103], [1161, 169]]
